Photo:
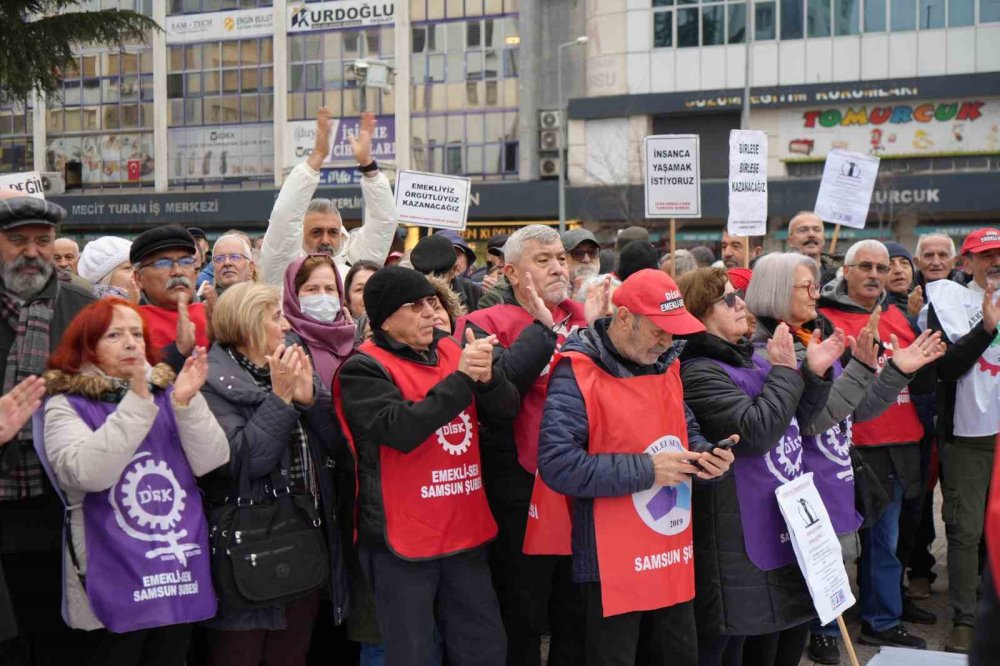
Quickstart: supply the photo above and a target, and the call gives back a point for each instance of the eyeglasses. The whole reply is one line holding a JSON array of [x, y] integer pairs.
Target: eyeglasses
[[219, 259], [165, 264], [730, 298], [867, 266], [811, 286], [578, 253], [418, 305], [20, 240]]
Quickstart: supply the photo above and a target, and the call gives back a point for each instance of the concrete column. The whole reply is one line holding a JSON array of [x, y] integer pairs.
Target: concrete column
[[905, 228], [401, 34], [39, 135], [161, 143], [530, 51], [280, 63]]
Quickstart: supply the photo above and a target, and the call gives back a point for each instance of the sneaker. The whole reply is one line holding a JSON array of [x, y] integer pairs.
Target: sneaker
[[823, 649], [960, 640], [919, 588], [917, 615], [896, 636]]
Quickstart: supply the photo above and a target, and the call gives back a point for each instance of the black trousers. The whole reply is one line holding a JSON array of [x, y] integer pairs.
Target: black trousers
[[782, 648], [716, 650], [537, 596], [454, 592], [986, 640], [661, 637], [162, 646]]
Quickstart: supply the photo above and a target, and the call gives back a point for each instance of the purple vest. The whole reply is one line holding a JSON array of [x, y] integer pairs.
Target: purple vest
[[146, 536]]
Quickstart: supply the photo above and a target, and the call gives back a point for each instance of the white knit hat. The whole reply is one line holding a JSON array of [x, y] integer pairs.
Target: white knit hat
[[101, 256]]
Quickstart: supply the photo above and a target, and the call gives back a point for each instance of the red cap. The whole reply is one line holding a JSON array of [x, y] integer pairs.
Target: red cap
[[981, 240], [653, 294], [393, 258], [739, 278]]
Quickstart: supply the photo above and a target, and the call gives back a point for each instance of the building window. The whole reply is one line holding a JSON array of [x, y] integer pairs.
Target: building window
[[687, 27], [16, 144], [903, 15], [764, 21], [989, 11], [961, 12], [791, 19], [846, 17], [736, 28], [818, 18], [875, 15], [713, 25], [663, 29], [931, 14]]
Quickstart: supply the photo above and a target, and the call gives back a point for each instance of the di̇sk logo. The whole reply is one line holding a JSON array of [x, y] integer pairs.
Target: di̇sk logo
[[835, 443], [456, 437], [784, 460], [990, 360], [665, 509], [153, 501]]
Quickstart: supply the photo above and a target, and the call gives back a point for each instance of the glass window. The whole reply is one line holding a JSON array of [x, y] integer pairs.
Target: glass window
[[818, 18], [212, 82], [510, 63], [764, 21], [418, 39], [663, 3], [493, 156], [474, 159], [931, 14], [961, 12], [875, 15], [737, 23], [989, 11], [687, 27], [791, 19], [175, 86], [663, 29], [846, 16], [489, 33], [713, 25], [453, 160], [473, 35], [904, 15]]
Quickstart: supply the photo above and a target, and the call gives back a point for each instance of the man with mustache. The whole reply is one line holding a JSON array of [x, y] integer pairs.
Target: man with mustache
[[232, 260], [165, 264], [535, 590], [805, 235], [968, 416], [302, 225], [734, 249], [889, 444], [35, 310]]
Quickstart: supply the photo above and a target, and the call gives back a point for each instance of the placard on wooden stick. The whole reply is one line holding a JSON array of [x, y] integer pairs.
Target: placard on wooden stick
[[672, 175], [432, 200], [747, 184]]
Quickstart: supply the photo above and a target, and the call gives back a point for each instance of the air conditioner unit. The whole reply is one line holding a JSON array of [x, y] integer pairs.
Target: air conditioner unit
[[550, 119], [53, 182], [548, 167], [549, 139]]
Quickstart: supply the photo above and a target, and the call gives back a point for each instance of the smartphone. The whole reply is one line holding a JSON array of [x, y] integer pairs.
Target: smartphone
[[727, 443]]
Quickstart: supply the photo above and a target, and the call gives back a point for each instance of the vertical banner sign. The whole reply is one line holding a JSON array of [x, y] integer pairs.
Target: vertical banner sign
[[845, 193], [28, 183], [673, 175], [432, 200], [816, 547], [747, 183]]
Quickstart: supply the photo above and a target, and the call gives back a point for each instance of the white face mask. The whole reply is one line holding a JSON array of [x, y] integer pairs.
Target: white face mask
[[321, 307]]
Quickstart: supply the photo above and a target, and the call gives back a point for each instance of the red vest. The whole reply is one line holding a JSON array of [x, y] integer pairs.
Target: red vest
[[162, 324], [433, 496], [899, 423], [644, 541]]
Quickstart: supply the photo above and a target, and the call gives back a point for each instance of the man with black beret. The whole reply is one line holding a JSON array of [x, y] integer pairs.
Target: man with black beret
[[435, 255], [35, 310], [165, 263], [410, 402], [202, 246]]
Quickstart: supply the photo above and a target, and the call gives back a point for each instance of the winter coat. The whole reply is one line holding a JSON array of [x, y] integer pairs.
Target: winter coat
[[259, 424], [468, 292], [734, 596], [89, 461], [563, 461]]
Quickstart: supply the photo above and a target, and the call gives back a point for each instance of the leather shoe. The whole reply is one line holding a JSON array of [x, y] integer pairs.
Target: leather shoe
[[917, 615]]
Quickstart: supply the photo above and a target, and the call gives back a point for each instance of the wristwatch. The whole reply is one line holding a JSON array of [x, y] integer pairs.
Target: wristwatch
[[368, 168]]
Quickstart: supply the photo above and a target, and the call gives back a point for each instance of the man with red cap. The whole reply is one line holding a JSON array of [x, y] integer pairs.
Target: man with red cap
[[969, 415], [630, 478]]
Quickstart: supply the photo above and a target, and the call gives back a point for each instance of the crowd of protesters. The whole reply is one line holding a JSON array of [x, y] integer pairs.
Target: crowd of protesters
[[306, 448]]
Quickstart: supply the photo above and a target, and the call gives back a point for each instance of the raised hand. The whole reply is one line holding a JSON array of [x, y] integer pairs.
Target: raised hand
[[138, 381], [781, 348], [598, 303], [18, 405], [185, 327], [321, 147], [476, 361], [915, 302], [865, 348], [362, 144], [534, 303], [192, 376], [304, 394], [927, 348], [991, 309], [209, 296], [872, 324], [820, 356], [285, 365]]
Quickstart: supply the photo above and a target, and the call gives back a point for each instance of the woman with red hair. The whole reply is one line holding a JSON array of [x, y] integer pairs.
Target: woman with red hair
[[123, 442]]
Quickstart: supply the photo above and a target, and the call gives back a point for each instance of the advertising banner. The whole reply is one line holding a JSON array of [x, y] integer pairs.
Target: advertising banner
[[223, 151], [304, 17], [213, 26], [104, 158], [302, 136]]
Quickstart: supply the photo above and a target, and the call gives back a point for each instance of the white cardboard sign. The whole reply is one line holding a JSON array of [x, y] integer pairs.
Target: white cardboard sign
[[673, 175], [432, 200], [816, 546], [845, 193], [747, 183], [29, 182]]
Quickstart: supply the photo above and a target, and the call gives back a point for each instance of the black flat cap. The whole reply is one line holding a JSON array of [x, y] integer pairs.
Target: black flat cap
[[636, 256], [169, 237], [433, 255], [495, 244], [197, 233], [22, 211]]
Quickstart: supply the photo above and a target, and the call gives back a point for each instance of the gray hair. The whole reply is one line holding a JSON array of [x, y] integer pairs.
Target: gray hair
[[869, 244], [926, 237], [241, 237], [703, 256], [770, 290], [799, 214], [514, 247], [684, 261], [321, 205]]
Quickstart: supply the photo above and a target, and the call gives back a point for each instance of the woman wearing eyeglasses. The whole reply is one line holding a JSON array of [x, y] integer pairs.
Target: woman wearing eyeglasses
[[749, 584]]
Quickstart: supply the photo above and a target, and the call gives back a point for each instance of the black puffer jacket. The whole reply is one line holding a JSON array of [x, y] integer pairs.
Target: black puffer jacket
[[735, 597]]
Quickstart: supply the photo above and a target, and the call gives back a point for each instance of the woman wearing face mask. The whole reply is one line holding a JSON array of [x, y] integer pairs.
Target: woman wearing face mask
[[313, 304]]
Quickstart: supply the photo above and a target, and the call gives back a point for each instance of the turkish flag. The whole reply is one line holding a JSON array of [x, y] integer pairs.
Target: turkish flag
[[134, 170]]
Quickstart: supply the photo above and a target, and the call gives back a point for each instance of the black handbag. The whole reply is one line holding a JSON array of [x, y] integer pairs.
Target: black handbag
[[270, 550], [870, 497]]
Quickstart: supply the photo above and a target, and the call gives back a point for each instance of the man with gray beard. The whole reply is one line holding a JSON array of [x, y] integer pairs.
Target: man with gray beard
[[35, 309]]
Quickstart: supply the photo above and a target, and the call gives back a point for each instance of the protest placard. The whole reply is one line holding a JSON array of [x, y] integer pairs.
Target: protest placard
[[747, 183], [845, 192], [673, 175], [432, 200], [29, 182]]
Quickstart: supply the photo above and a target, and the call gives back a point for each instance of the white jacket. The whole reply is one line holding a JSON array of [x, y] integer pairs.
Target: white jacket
[[89, 461], [283, 239]]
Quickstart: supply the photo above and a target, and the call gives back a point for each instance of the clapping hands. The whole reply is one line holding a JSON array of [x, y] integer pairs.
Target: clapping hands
[[476, 361], [291, 374]]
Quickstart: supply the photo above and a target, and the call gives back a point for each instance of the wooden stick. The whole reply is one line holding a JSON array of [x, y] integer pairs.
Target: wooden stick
[[746, 253], [673, 248], [847, 638], [833, 241]]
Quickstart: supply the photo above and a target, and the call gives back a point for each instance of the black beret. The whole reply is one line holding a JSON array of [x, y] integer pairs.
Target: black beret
[[635, 256], [22, 211], [167, 237], [197, 233], [390, 287], [433, 255], [495, 244]]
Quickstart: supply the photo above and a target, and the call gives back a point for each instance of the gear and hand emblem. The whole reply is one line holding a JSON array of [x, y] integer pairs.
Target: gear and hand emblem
[[446, 435], [784, 460], [135, 496]]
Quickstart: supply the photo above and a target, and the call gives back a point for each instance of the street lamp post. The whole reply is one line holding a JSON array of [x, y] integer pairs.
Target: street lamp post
[[563, 135]]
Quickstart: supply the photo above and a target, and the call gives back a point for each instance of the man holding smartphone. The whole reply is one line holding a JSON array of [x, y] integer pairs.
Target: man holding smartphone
[[617, 437]]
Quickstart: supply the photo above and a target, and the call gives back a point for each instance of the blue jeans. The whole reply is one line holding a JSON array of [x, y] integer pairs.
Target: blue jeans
[[373, 654], [880, 571]]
